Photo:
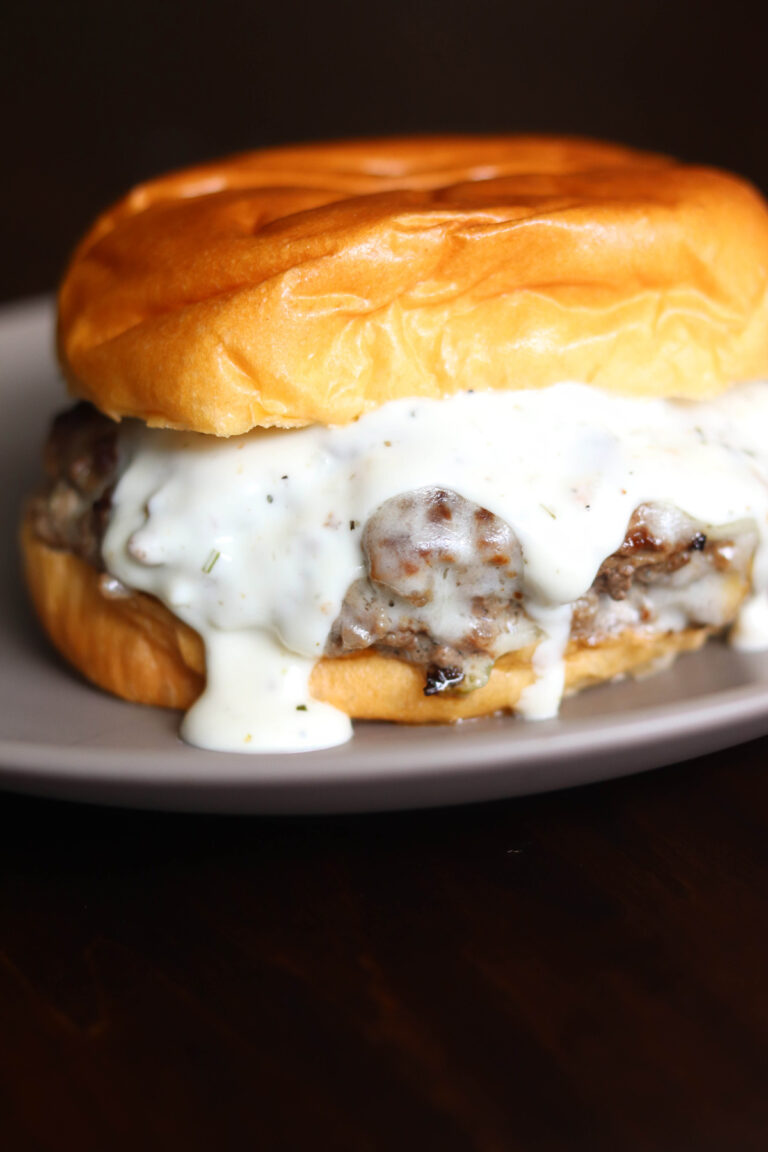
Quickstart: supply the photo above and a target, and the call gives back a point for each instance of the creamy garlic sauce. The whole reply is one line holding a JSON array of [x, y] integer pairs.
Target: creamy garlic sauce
[[254, 541]]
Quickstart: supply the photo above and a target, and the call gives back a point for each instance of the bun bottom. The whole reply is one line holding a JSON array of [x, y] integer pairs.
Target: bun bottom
[[136, 648]]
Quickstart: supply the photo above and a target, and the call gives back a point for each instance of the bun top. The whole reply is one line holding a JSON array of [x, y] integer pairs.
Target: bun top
[[310, 284]]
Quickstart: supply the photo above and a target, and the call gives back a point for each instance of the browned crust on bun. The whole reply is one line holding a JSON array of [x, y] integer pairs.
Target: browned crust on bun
[[135, 648], [130, 645], [311, 284]]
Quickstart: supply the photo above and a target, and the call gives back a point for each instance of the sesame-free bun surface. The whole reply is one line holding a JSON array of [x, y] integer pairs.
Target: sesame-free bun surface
[[135, 648], [311, 284]]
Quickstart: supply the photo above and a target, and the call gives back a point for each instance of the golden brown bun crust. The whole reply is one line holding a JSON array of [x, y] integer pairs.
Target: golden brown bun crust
[[131, 646], [310, 284], [135, 648]]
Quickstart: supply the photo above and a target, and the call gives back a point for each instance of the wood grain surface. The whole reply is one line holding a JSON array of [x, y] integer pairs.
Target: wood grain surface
[[579, 970]]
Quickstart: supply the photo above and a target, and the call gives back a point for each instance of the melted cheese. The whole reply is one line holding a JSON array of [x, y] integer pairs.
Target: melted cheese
[[254, 541]]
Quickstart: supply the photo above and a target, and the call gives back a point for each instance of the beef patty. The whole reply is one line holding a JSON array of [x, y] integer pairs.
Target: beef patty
[[444, 585]]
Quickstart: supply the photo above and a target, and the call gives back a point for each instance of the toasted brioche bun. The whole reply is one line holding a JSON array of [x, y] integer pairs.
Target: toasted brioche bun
[[135, 648], [311, 284]]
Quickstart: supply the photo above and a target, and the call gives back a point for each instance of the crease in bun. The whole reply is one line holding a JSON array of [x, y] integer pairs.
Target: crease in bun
[[312, 284]]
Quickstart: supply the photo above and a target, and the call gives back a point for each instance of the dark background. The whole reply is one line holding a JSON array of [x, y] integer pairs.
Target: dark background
[[585, 970], [102, 94]]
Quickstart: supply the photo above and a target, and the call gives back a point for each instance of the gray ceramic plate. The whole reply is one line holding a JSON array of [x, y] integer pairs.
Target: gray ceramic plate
[[60, 737]]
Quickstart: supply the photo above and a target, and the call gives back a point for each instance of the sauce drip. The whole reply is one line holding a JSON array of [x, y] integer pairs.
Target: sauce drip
[[254, 541]]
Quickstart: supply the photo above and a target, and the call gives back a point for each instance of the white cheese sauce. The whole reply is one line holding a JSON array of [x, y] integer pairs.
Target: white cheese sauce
[[254, 541]]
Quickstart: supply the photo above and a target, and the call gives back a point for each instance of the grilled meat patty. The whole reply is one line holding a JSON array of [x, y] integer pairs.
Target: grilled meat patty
[[444, 583]]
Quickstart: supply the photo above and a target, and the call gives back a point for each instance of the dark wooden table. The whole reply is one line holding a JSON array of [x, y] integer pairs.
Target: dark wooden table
[[580, 970]]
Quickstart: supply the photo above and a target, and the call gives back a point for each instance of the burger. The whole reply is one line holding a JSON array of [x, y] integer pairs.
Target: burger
[[413, 430]]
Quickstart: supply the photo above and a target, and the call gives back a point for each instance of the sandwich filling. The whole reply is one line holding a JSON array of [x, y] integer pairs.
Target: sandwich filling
[[445, 533]]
